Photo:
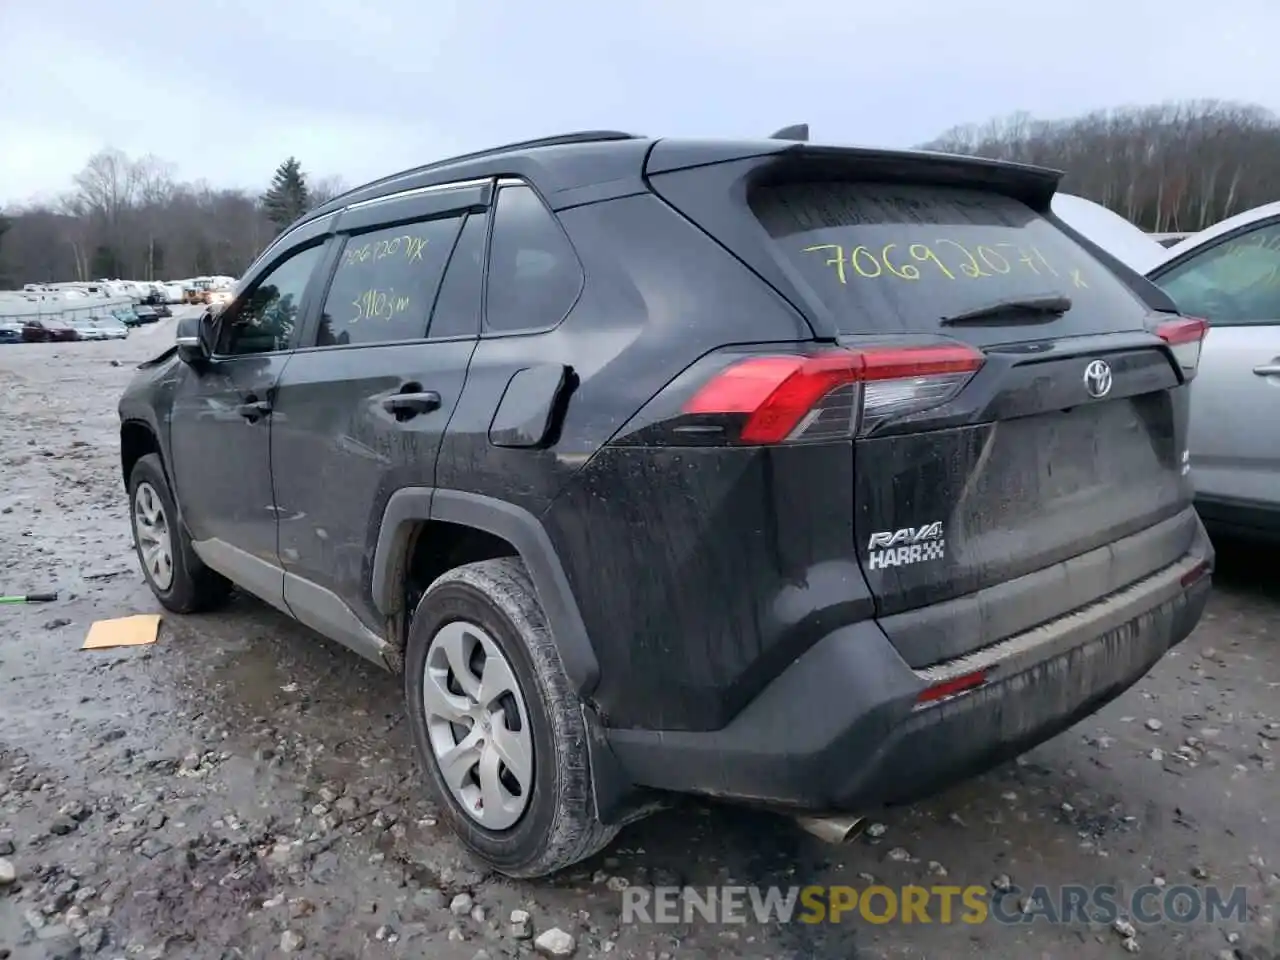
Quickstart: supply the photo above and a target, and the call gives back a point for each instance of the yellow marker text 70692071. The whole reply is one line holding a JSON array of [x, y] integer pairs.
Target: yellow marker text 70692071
[[410, 247], [945, 258]]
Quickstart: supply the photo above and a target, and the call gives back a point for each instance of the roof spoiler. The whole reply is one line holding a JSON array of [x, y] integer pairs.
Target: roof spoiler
[[797, 131], [1034, 186]]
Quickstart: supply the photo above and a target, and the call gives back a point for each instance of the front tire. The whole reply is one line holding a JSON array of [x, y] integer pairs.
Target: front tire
[[178, 579], [490, 706]]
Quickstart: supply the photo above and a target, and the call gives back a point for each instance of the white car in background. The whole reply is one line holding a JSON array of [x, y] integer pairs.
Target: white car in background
[[1228, 274]]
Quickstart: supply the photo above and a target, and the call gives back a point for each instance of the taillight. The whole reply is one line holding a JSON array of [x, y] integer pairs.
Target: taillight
[[1185, 336], [834, 394]]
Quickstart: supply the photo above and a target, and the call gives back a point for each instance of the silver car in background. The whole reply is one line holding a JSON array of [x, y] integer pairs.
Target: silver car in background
[[1228, 274], [101, 328]]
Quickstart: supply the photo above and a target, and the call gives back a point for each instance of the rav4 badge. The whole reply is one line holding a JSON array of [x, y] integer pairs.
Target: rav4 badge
[[897, 548]]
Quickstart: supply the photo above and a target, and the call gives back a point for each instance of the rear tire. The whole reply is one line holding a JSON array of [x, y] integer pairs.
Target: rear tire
[[173, 572], [485, 610]]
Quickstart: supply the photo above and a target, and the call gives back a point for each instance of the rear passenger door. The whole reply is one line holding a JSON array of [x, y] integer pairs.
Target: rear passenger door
[[362, 406], [1235, 400], [520, 379]]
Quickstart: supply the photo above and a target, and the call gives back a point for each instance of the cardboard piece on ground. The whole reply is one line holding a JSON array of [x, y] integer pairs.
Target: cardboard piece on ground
[[123, 632]]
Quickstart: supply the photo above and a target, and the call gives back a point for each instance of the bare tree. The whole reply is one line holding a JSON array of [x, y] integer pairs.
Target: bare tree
[[324, 190], [108, 184], [155, 190]]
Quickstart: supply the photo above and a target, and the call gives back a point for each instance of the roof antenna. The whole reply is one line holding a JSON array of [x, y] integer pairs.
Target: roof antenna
[[797, 131]]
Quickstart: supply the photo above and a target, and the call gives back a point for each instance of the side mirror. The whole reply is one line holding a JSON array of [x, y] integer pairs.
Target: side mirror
[[194, 339]]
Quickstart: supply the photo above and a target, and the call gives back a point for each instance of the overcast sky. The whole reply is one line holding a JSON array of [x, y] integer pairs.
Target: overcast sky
[[226, 89]]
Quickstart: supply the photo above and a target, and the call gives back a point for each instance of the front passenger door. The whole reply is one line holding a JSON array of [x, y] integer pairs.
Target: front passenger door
[[220, 433]]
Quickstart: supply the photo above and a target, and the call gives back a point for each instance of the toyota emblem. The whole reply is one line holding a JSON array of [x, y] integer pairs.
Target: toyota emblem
[[1097, 379]]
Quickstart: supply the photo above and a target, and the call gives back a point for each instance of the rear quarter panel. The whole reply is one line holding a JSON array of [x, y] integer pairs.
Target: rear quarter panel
[[658, 294], [695, 573], [632, 530]]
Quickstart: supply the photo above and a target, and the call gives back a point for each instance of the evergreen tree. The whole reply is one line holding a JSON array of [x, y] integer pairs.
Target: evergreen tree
[[287, 199]]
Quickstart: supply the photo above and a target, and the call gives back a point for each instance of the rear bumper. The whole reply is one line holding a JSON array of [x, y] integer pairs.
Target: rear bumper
[[840, 729]]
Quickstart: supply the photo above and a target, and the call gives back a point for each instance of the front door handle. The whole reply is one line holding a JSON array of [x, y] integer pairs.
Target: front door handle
[[406, 405], [253, 410], [1268, 370]]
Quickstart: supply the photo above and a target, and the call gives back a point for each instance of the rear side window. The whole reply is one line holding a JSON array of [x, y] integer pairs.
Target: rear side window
[[534, 276], [386, 282], [888, 258], [457, 310], [1236, 283]]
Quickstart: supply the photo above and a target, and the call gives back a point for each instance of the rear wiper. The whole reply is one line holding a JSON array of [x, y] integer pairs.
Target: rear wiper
[[1034, 310]]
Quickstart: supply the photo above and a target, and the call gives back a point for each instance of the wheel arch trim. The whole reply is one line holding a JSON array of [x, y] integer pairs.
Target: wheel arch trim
[[520, 528], [131, 423]]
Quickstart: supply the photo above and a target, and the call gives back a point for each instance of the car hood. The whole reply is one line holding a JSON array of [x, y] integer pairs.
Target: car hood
[[1110, 231]]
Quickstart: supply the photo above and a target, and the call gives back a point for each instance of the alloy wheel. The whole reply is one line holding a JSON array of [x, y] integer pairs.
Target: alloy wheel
[[151, 529], [478, 725]]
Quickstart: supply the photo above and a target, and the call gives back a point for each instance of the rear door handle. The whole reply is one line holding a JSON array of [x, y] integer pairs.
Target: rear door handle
[[1268, 370], [407, 405], [254, 409]]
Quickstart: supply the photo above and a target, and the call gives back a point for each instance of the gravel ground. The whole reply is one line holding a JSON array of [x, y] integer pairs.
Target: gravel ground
[[243, 788]]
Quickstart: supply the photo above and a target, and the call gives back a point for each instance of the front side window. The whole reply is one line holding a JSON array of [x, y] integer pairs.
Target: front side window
[[1235, 283], [534, 275], [263, 319], [386, 283]]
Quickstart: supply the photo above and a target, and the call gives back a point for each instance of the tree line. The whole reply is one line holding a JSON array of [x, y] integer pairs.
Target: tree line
[[1167, 168], [1170, 168], [131, 218]]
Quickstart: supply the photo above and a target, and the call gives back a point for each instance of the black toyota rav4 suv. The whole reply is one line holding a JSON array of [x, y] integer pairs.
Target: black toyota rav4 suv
[[810, 477]]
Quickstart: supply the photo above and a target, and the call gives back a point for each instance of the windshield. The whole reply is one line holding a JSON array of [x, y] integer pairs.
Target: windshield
[[891, 258]]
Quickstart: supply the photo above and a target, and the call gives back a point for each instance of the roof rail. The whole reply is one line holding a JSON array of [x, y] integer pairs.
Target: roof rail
[[582, 136]]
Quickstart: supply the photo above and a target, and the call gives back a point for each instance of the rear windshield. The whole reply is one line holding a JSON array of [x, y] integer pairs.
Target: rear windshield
[[889, 258]]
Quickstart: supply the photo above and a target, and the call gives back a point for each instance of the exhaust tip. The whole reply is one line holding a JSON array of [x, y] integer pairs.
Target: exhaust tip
[[831, 829]]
